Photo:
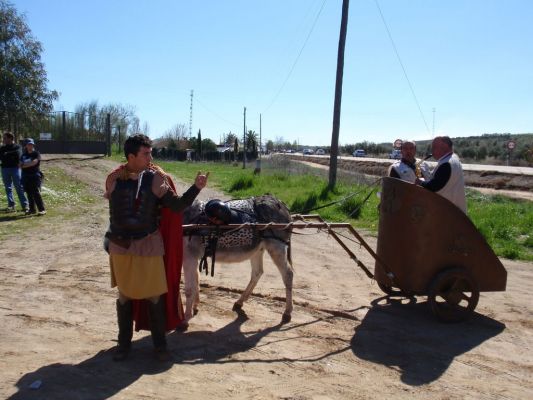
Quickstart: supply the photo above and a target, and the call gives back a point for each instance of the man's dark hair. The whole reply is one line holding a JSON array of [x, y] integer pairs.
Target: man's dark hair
[[9, 135], [133, 144]]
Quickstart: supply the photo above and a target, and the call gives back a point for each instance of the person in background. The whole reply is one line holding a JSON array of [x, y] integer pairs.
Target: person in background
[[409, 168], [10, 154], [30, 161], [136, 191], [447, 178]]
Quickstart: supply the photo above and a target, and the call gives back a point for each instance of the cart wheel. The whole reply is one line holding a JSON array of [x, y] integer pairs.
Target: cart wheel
[[453, 295], [391, 291]]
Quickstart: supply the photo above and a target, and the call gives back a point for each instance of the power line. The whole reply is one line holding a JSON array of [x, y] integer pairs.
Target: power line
[[297, 57], [215, 114], [401, 64]]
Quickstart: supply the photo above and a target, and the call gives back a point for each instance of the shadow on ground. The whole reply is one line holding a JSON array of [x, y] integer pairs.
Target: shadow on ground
[[404, 337], [408, 338], [99, 377]]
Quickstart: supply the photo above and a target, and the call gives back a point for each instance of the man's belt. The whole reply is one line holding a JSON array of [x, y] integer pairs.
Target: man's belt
[[125, 241], [119, 240]]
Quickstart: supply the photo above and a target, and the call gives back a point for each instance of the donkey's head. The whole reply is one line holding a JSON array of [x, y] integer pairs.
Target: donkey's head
[[194, 214]]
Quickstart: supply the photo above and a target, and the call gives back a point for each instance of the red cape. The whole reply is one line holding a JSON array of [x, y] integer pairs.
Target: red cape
[[172, 231]]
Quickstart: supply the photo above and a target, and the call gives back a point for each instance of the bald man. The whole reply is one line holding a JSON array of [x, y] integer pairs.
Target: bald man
[[447, 177]]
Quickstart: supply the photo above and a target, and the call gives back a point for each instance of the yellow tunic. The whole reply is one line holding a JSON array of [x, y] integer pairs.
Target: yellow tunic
[[138, 277]]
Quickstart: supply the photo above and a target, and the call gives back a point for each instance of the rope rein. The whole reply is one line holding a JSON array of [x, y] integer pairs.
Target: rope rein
[[374, 183], [298, 222]]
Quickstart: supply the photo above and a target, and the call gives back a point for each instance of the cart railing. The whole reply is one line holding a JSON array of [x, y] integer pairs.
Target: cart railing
[[302, 222]]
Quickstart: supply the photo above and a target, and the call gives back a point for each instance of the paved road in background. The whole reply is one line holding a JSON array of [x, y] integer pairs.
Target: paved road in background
[[466, 167]]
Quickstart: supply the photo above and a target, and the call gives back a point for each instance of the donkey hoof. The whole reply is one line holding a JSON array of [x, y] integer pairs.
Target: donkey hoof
[[195, 311], [285, 318], [237, 307]]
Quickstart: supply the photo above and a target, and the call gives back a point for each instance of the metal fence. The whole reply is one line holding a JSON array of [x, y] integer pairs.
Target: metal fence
[[184, 155], [64, 132]]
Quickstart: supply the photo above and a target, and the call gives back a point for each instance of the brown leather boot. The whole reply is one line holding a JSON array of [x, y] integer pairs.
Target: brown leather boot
[[158, 329], [125, 330]]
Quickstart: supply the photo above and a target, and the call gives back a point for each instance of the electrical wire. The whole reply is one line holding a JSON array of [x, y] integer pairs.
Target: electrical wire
[[284, 82], [215, 114], [297, 58], [401, 64]]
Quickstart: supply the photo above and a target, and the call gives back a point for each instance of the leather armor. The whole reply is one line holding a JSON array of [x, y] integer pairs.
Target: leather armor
[[134, 210]]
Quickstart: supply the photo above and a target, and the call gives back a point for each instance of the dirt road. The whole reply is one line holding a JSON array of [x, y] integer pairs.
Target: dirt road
[[346, 341]]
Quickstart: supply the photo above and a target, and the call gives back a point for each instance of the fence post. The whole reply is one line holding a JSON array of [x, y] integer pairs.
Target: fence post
[[64, 131], [108, 133]]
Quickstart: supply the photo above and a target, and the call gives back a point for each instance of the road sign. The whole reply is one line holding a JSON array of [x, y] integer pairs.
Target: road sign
[[397, 143], [511, 144]]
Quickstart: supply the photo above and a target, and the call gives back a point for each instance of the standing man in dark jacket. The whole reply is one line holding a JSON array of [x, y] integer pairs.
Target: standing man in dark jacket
[[32, 177], [10, 154]]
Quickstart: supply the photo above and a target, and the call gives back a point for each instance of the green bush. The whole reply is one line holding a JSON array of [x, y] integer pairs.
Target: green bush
[[241, 183]]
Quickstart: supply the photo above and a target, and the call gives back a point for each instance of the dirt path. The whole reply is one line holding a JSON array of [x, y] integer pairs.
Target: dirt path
[[346, 341]]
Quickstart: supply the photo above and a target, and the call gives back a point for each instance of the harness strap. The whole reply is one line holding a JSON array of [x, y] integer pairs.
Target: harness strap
[[203, 263], [210, 251]]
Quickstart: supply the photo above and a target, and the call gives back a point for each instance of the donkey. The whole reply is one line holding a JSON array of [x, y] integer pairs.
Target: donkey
[[236, 246]]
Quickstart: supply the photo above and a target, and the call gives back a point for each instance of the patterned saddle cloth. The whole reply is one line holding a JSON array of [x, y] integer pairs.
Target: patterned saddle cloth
[[242, 211]]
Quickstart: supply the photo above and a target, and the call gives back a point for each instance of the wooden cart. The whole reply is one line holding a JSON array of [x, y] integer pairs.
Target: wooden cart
[[427, 246]]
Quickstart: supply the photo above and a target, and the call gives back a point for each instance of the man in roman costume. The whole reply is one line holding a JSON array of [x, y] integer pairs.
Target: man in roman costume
[[142, 199]]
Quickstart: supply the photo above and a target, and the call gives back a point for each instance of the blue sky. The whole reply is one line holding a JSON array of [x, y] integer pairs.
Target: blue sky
[[469, 60]]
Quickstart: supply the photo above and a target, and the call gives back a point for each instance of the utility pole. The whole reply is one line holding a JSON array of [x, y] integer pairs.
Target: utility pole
[[258, 159], [190, 118], [244, 142], [338, 96]]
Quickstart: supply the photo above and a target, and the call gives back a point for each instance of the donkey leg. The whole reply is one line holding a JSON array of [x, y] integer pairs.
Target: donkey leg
[[257, 271], [190, 274], [278, 252]]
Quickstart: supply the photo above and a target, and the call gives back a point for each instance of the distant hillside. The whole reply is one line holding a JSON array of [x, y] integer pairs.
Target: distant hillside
[[489, 148]]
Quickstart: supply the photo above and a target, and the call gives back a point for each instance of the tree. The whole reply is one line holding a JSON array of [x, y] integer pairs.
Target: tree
[[208, 145], [481, 153], [135, 125], [92, 117], [24, 95], [251, 141], [279, 143], [270, 146], [230, 139], [178, 134], [235, 149], [145, 129], [294, 145], [199, 143]]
